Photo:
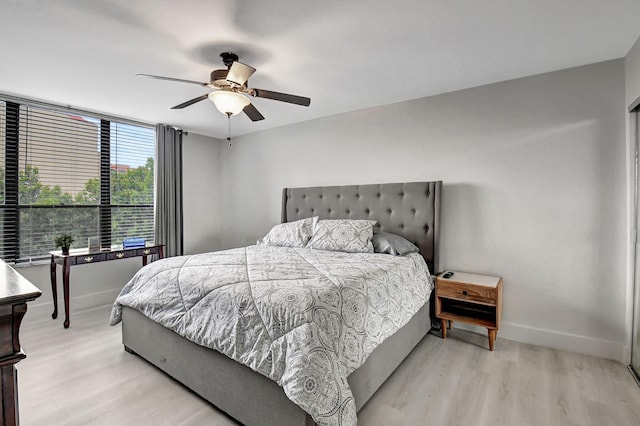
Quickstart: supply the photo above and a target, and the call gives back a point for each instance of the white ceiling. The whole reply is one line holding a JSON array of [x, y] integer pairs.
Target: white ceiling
[[344, 55]]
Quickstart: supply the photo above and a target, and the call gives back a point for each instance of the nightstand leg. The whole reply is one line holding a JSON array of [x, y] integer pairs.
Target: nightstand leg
[[450, 324], [492, 338], [443, 322]]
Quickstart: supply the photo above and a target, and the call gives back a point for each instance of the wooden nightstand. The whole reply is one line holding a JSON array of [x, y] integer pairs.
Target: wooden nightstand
[[472, 299]]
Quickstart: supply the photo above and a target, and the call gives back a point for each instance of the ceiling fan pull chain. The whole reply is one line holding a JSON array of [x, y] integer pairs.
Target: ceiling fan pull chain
[[229, 119]]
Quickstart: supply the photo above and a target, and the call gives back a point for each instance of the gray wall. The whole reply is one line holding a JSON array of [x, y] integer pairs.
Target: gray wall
[[632, 93], [201, 170], [535, 190], [632, 73], [99, 284]]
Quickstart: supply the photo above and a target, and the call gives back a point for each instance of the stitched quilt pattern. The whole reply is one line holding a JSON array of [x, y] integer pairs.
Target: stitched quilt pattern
[[303, 318]]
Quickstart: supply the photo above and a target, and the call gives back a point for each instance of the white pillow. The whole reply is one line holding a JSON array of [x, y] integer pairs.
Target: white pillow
[[349, 235], [290, 234]]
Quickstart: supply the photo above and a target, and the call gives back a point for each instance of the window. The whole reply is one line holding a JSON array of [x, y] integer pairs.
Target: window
[[132, 163], [2, 136], [70, 172]]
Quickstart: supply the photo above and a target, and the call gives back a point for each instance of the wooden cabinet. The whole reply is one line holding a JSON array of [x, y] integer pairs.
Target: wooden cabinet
[[471, 299], [15, 292]]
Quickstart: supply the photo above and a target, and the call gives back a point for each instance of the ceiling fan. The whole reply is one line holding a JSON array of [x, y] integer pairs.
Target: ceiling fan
[[231, 89]]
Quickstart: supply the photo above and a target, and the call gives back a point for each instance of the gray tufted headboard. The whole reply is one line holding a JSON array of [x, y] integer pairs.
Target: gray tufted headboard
[[408, 209]]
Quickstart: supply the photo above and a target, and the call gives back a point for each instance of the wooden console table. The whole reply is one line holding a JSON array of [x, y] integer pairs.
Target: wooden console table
[[15, 292], [83, 257]]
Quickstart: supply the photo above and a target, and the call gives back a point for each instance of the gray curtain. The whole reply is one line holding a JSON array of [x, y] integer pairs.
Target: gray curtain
[[169, 189]]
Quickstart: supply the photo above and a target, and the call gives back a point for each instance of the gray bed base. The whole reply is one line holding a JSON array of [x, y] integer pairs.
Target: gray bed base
[[245, 395], [409, 209]]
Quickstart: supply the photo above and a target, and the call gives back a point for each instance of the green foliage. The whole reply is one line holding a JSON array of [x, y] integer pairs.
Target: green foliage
[[64, 241], [135, 186], [128, 189], [90, 194]]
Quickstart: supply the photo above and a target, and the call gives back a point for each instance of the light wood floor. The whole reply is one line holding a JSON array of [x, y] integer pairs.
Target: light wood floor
[[82, 376]]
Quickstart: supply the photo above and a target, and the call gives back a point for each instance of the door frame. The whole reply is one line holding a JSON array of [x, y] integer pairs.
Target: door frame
[[634, 137]]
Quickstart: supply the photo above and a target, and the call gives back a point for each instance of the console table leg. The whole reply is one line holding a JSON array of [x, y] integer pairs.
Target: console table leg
[[54, 289], [65, 287]]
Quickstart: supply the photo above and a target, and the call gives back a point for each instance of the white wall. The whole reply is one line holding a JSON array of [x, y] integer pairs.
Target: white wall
[[201, 192], [99, 284], [534, 190]]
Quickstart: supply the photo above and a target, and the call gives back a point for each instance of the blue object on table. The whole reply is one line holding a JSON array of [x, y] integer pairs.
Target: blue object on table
[[133, 242]]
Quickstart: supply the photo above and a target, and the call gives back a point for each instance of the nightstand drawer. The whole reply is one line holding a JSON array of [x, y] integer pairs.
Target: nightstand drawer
[[464, 291]]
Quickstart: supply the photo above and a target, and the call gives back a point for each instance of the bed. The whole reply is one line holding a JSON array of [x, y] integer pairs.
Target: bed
[[407, 209]]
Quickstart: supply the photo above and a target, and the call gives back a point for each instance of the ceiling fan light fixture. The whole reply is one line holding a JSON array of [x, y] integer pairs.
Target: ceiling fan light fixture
[[229, 102], [233, 91]]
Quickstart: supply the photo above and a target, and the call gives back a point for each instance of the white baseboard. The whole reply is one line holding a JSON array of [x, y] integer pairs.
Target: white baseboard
[[558, 340], [38, 311]]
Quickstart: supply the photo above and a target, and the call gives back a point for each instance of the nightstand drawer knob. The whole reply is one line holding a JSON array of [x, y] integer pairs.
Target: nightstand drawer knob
[[464, 292]]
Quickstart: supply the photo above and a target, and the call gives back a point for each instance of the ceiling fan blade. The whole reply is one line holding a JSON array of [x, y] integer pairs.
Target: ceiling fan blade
[[191, 102], [239, 73], [253, 113], [283, 97], [179, 80]]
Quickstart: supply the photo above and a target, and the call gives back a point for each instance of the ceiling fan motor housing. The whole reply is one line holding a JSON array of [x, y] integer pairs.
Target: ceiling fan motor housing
[[228, 58]]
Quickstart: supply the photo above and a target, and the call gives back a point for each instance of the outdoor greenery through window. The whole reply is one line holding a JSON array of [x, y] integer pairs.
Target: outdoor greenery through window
[[64, 172]]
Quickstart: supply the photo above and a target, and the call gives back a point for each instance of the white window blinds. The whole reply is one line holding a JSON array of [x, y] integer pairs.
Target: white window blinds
[[58, 159], [64, 172], [132, 181]]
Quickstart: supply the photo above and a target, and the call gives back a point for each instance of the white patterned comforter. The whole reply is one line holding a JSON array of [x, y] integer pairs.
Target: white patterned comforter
[[304, 318]]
